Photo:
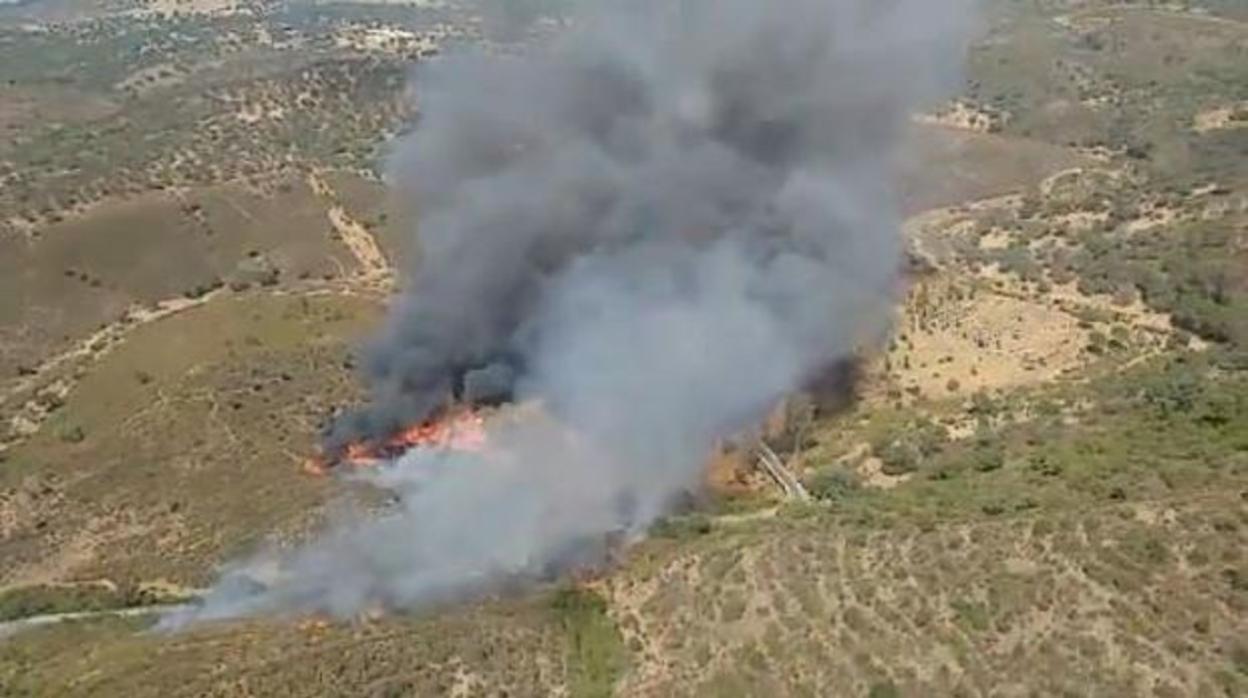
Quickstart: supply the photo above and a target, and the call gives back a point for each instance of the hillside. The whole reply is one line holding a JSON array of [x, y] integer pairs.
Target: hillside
[[1039, 485]]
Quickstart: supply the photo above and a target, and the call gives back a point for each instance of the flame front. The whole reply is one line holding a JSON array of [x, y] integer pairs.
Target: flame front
[[462, 430]]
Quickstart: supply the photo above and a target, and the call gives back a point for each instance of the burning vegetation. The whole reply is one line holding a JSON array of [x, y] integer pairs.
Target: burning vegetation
[[456, 429], [560, 192]]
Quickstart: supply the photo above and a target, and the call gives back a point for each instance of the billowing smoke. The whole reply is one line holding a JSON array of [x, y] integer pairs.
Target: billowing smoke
[[650, 231]]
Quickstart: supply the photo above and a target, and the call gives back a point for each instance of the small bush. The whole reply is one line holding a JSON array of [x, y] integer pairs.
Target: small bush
[[902, 450], [987, 458], [71, 434], [832, 484]]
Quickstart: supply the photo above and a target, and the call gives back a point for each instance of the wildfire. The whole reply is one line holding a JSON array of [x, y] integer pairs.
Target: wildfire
[[457, 431]]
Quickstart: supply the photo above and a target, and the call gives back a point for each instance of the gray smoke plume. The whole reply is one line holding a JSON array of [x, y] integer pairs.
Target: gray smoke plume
[[652, 231]]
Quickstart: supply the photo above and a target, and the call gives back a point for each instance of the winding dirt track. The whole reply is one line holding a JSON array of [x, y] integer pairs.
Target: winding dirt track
[[374, 265], [106, 336], [58, 375], [375, 277]]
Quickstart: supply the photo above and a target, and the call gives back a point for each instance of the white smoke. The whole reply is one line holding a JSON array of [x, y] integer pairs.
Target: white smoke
[[658, 227]]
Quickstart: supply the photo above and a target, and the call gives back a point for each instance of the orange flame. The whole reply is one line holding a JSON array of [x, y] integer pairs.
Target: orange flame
[[458, 431], [464, 431]]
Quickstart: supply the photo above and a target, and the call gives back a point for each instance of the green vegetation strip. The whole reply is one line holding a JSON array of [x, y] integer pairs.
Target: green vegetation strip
[[33, 601], [595, 653], [1172, 428]]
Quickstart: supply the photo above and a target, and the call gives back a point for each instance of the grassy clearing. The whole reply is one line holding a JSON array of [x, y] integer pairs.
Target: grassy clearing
[[187, 443], [595, 654], [987, 165]]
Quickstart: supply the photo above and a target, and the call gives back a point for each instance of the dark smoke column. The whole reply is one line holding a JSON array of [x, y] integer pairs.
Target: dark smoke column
[[669, 129], [653, 230]]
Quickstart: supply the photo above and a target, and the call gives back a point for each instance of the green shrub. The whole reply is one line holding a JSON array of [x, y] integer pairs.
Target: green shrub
[[594, 649], [832, 484], [71, 434], [904, 448]]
